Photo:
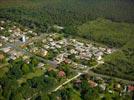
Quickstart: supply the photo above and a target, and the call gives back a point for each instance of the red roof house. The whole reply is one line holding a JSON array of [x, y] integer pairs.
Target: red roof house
[[61, 74], [130, 88]]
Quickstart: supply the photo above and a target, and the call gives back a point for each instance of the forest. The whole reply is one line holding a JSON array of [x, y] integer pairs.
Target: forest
[[65, 12]]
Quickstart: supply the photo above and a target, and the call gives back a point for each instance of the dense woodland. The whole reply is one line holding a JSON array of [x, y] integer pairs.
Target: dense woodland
[[65, 12]]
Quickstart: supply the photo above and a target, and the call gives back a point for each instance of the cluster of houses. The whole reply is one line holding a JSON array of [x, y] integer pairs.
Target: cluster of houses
[[17, 34], [106, 86], [67, 47], [13, 54], [42, 52]]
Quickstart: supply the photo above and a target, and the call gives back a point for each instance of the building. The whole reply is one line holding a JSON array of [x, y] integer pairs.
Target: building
[[44, 52], [58, 27], [6, 50], [131, 88], [40, 65], [2, 28], [0, 44], [92, 83], [61, 74], [23, 39]]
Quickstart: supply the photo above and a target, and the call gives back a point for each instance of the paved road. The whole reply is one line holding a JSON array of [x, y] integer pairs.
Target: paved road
[[111, 77], [66, 82], [88, 70], [30, 54], [54, 64], [76, 76]]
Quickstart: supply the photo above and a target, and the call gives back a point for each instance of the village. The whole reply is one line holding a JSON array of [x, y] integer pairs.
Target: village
[[55, 50]]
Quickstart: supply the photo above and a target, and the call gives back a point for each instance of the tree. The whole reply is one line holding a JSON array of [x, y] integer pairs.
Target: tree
[[34, 61], [70, 30], [44, 96], [25, 68]]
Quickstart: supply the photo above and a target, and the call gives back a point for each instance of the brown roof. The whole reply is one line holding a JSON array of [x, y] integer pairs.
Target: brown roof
[[92, 83]]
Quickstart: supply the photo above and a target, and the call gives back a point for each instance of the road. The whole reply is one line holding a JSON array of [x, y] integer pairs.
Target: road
[[30, 54], [54, 64], [111, 77], [66, 82], [88, 70], [76, 76]]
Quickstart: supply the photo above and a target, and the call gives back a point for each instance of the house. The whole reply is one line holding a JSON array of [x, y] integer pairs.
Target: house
[[23, 38], [99, 57], [72, 51], [109, 51], [61, 42], [30, 31], [46, 46], [10, 30], [60, 58], [2, 28], [58, 27], [52, 43], [67, 61], [50, 39], [1, 44], [131, 88], [78, 81], [25, 57], [6, 50], [92, 83], [44, 41], [110, 91], [13, 57], [4, 38], [57, 46], [44, 52], [61, 74], [50, 69], [102, 49], [40, 65], [34, 49], [2, 22], [102, 86]]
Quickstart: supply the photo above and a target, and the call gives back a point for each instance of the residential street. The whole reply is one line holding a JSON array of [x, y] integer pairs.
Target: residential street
[[76, 76], [79, 74]]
